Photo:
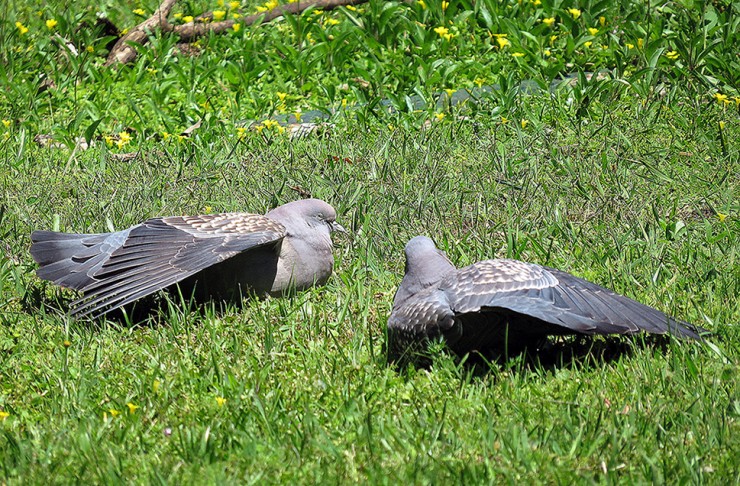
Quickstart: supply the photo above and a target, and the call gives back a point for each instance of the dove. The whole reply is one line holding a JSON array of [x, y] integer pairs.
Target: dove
[[497, 308], [219, 256]]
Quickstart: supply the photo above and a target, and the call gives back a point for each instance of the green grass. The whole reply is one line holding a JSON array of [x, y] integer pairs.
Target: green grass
[[630, 182]]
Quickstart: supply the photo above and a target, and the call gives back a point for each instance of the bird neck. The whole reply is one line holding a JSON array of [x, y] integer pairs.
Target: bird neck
[[422, 272]]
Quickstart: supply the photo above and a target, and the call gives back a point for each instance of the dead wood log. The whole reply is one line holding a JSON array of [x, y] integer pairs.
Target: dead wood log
[[123, 52]]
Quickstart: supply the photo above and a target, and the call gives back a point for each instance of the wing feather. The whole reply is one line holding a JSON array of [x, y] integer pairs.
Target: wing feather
[[554, 297], [113, 269]]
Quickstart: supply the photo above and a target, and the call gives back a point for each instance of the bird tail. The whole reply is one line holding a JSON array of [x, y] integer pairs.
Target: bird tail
[[67, 258]]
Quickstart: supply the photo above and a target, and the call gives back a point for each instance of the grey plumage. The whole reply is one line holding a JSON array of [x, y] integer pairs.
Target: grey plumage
[[499, 307], [215, 255]]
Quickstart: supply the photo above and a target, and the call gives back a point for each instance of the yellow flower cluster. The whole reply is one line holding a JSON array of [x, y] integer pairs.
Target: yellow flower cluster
[[269, 125], [444, 32], [51, 23], [22, 29], [502, 40], [269, 5]]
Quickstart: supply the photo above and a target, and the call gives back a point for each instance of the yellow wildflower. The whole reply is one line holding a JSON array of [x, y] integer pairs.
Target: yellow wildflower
[[22, 29], [351, 7], [271, 4], [261, 9], [593, 31], [721, 125], [574, 12], [441, 30], [187, 19], [131, 407], [548, 21], [736, 99], [220, 3], [6, 123], [422, 4], [114, 413], [517, 54], [602, 21], [504, 120], [630, 46], [721, 98], [220, 401], [502, 42], [234, 5], [51, 23], [331, 21], [479, 81], [236, 15], [108, 140], [525, 123], [298, 114], [344, 102], [672, 55], [236, 27], [90, 49], [139, 11], [721, 216], [587, 44], [219, 15], [4, 415], [124, 137], [439, 116], [156, 385], [546, 52], [281, 96], [536, 3], [448, 36], [445, 4], [553, 38], [178, 15], [67, 343], [269, 124], [640, 43]]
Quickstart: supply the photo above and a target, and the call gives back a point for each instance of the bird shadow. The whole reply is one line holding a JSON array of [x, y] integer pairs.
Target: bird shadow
[[575, 352], [166, 305]]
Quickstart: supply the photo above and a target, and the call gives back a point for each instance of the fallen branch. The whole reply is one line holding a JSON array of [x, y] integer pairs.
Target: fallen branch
[[123, 52]]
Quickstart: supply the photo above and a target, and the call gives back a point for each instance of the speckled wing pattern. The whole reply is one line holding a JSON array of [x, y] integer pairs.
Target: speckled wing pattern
[[432, 312], [128, 265], [554, 297]]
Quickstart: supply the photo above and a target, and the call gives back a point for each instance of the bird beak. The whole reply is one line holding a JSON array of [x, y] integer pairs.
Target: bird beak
[[337, 227]]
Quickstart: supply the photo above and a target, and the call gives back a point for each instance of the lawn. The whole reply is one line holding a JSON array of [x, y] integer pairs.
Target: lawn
[[628, 177]]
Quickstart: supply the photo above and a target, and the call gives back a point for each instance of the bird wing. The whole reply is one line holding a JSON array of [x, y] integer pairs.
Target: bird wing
[[163, 251], [554, 297]]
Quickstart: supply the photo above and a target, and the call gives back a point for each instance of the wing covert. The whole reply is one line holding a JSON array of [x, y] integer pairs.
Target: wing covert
[[163, 251]]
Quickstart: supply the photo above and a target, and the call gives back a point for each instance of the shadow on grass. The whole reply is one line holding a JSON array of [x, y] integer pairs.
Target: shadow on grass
[[575, 352], [167, 305]]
